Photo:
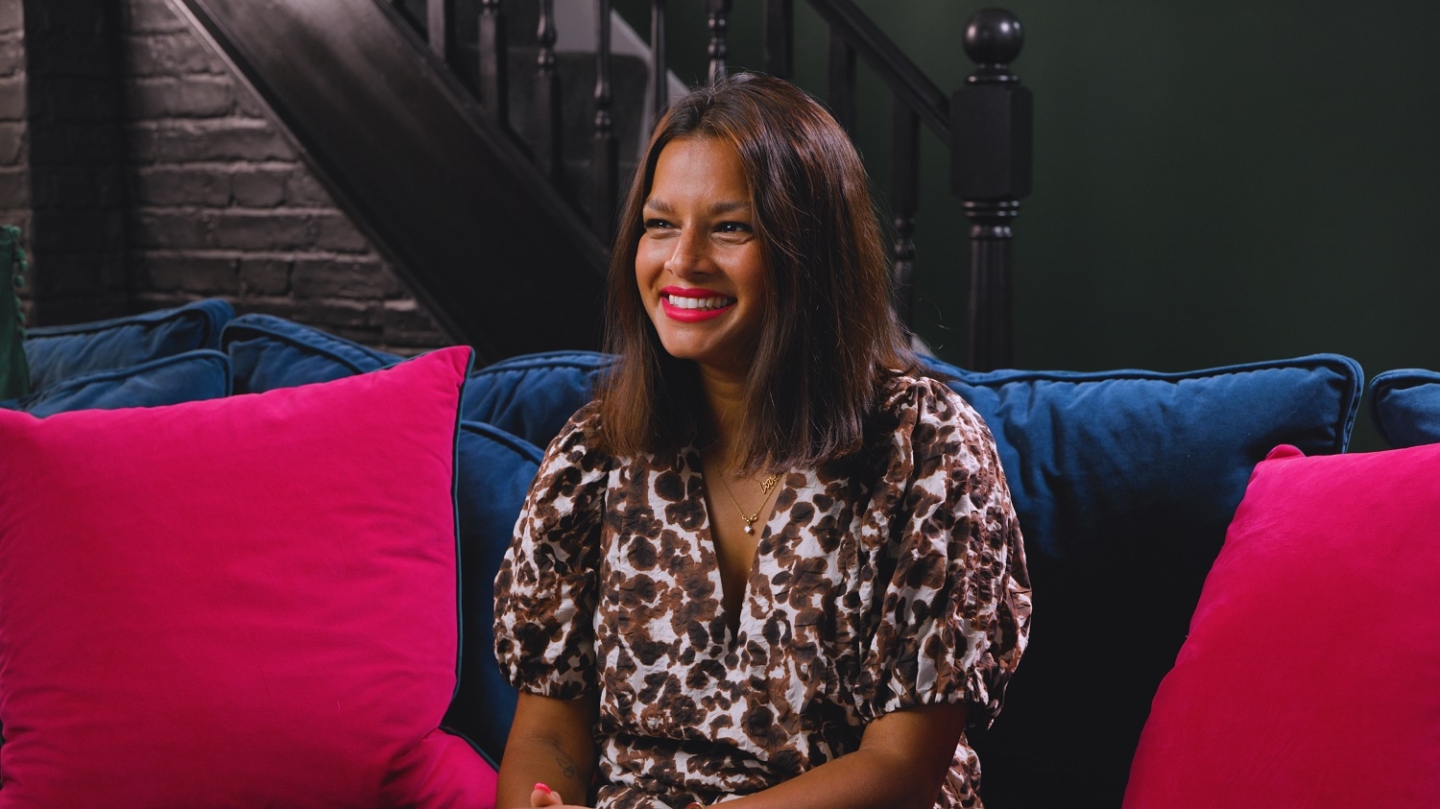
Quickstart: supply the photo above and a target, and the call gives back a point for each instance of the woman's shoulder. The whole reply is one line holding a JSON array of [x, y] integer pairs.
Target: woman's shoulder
[[911, 397]]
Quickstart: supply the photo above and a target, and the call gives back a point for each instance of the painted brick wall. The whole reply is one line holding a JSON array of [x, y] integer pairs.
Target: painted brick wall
[[220, 204]]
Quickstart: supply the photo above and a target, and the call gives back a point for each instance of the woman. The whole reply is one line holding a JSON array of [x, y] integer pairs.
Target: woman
[[769, 564]]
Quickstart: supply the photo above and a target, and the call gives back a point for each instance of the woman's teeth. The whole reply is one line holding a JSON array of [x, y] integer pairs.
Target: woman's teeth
[[698, 303]]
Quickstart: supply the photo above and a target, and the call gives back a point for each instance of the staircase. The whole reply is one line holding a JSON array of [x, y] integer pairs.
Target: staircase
[[464, 138]]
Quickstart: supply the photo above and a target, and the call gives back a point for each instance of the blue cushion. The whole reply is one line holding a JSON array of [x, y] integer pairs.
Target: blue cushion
[[496, 469], [187, 377], [60, 352], [270, 352], [1405, 406], [1125, 482], [534, 395]]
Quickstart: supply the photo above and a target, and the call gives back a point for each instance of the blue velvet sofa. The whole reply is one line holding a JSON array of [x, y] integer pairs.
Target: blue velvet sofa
[[1124, 482]]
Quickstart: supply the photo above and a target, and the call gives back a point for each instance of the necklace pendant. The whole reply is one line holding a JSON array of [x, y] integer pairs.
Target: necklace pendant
[[749, 529]]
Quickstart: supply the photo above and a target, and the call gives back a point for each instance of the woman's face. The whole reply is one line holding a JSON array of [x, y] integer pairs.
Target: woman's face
[[699, 263]]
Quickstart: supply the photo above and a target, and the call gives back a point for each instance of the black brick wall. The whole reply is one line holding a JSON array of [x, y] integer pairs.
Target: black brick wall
[[221, 205], [146, 175]]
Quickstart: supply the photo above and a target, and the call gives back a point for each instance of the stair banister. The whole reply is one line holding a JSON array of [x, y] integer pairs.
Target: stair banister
[[605, 162], [494, 58], [549, 151], [991, 173], [717, 19]]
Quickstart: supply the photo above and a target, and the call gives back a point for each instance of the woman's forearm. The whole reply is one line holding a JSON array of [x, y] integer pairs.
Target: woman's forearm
[[901, 764], [550, 743], [538, 760]]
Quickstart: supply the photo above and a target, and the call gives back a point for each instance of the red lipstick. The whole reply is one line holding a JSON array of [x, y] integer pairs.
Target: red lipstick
[[692, 315]]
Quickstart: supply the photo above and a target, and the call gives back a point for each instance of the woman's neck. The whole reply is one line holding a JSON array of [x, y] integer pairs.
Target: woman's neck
[[725, 401]]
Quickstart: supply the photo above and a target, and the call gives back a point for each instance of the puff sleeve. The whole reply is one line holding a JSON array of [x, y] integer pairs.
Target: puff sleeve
[[546, 589], [951, 600]]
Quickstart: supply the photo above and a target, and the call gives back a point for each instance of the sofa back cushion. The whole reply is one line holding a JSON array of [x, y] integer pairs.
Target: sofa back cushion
[[247, 601], [496, 469], [269, 352], [1124, 482], [1405, 407], [1309, 674], [534, 395], [56, 353], [188, 377]]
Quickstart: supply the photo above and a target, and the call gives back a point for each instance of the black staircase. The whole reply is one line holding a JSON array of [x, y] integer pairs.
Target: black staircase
[[444, 127]]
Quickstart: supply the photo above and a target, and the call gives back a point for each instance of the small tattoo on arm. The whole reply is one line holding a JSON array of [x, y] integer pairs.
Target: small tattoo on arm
[[567, 767]]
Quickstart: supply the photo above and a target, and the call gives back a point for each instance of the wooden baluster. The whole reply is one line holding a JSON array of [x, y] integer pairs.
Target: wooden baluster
[[990, 152], [718, 20], [606, 159], [904, 202], [842, 81], [440, 28], [548, 153], [494, 58], [660, 75], [780, 38]]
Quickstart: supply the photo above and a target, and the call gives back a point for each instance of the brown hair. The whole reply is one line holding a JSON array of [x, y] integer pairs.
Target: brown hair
[[828, 333]]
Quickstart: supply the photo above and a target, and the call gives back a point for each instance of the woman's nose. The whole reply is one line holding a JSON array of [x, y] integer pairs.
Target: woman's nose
[[688, 256]]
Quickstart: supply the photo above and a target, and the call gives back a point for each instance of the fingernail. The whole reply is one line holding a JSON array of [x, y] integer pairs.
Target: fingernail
[[543, 788]]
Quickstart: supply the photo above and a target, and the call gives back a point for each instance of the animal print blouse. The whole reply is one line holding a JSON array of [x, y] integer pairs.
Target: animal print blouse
[[893, 578]]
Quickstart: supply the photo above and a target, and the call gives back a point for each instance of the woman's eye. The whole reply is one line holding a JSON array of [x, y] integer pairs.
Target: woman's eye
[[734, 227], [651, 224]]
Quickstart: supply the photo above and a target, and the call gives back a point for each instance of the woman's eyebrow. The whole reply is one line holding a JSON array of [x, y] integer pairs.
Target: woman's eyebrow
[[661, 206]]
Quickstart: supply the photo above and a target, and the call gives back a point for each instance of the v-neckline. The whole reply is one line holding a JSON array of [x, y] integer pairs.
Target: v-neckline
[[707, 533]]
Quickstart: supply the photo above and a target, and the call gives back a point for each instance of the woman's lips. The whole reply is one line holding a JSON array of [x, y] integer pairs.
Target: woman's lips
[[691, 305]]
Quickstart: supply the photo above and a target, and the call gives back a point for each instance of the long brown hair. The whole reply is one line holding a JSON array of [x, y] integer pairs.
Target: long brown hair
[[828, 333]]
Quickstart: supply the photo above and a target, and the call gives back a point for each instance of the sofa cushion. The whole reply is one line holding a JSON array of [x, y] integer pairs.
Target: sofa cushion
[[496, 470], [1124, 482], [1309, 676], [1405, 407], [187, 377], [269, 352], [248, 601], [534, 395], [60, 352], [530, 396]]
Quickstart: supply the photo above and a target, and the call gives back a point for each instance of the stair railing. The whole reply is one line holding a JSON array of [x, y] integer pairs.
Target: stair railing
[[986, 126]]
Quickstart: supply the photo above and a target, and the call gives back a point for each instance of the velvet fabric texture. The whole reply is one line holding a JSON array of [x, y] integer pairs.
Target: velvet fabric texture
[[1309, 676], [188, 377], [1405, 407], [534, 395], [495, 470], [1124, 482], [59, 352], [269, 352], [255, 606]]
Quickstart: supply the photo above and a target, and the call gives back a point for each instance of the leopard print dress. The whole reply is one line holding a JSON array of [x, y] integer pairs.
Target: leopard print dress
[[893, 578]]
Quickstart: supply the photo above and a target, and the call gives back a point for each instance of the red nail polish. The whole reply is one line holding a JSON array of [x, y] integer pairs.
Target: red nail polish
[[543, 788]]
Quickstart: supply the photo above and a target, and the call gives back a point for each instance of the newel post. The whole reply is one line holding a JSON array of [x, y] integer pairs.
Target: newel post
[[991, 131]]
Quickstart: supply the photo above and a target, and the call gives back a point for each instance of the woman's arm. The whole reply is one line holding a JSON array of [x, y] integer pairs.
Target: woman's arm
[[550, 743], [901, 763]]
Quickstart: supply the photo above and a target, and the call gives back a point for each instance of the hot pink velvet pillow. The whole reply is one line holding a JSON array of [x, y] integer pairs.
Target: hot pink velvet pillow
[[239, 602], [1311, 676]]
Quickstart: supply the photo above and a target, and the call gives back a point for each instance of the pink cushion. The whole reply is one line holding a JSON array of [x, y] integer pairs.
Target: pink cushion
[[1311, 676], [241, 602]]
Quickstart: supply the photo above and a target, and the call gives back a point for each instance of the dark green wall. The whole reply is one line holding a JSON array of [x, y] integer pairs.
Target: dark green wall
[[1214, 183]]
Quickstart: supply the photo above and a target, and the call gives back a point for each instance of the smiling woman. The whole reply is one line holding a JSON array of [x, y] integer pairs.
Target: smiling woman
[[771, 564]]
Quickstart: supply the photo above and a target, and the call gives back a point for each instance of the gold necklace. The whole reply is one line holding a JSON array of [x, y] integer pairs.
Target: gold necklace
[[766, 486]]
